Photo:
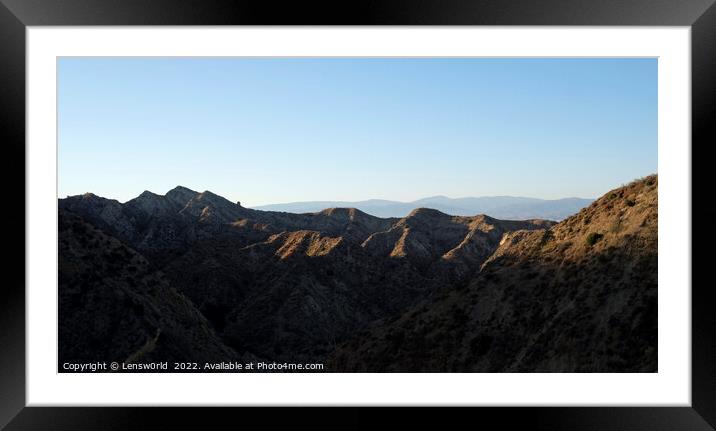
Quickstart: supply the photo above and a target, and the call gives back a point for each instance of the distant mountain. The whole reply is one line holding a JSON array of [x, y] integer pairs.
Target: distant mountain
[[501, 207]]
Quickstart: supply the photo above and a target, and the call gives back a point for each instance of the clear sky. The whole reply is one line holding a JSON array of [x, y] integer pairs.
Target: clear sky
[[294, 129]]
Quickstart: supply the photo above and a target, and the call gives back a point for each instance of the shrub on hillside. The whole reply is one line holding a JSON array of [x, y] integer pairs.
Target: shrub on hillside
[[593, 237]]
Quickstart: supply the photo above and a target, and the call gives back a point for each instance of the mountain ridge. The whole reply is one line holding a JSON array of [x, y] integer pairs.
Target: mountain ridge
[[501, 207], [357, 291]]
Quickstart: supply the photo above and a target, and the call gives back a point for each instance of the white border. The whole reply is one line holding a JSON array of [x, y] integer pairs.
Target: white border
[[670, 386]]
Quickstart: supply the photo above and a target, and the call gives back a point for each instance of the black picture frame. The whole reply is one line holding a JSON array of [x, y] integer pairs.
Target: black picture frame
[[16, 15]]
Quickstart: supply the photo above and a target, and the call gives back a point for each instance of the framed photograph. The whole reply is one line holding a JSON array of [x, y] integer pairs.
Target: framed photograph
[[486, 205]]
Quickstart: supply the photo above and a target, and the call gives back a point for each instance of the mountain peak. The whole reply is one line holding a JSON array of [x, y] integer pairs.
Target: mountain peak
[[426, 212], [433, 198], [342, 212], [181, 195], [148, 194], [211, 197], [181, 189]]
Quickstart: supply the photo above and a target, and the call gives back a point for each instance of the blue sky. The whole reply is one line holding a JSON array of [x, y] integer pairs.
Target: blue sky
[[276, 130]]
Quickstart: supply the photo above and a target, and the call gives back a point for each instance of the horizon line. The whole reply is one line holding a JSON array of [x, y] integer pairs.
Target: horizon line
[[317, 201]]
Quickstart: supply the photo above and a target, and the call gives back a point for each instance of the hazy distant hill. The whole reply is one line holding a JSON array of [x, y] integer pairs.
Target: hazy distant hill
[[501, 207]]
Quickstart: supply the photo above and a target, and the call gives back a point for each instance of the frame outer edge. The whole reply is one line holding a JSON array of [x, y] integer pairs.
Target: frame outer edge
[[12, 294], [385, 12], [703, 106], [12, 291]]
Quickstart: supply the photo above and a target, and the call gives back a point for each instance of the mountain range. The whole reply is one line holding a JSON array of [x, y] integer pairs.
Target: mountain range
[[190, 276], [502, 207]]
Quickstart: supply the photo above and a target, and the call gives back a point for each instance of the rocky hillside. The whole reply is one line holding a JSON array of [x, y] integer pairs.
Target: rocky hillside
[[298, 293], [192, 275], [114, 306], [580, 296], [436, 242]]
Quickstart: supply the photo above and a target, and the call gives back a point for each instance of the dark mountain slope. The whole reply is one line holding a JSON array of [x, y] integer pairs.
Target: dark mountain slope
[[295, 295], [115, 307], [107, 214], [581, 296]]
